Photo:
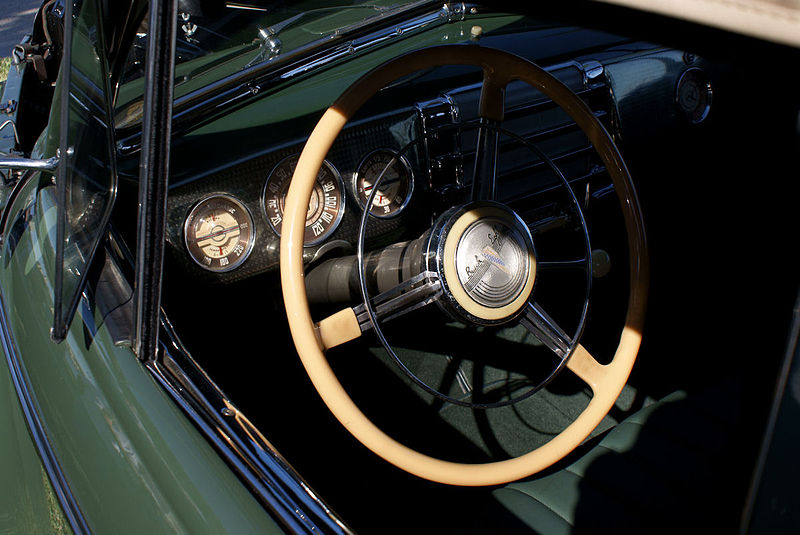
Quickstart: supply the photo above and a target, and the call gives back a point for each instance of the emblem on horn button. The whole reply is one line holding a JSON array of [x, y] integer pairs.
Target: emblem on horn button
[[487, 262], [492, 262]]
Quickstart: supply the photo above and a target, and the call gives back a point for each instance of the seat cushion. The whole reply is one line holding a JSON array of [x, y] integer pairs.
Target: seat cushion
[[675, 465]]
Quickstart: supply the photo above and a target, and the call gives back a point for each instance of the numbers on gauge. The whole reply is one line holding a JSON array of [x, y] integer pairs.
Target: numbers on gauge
[[394, 179], [218, 233], [325, 207]]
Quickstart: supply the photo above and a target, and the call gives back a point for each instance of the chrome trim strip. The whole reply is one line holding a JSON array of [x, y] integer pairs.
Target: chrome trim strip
[[276, 485], [27, 401], [445, 14], [49, 164], [9, 109]]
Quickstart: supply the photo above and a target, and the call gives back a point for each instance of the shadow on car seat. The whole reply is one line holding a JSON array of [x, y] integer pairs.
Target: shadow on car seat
[[682, 463]]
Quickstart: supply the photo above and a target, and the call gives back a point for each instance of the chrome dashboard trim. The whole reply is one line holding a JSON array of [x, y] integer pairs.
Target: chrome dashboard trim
[[380, 37], [593, 71], [432, 114], [49, 164]]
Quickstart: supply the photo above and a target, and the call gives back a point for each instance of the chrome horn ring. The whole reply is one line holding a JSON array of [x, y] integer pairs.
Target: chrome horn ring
[[475, 305]]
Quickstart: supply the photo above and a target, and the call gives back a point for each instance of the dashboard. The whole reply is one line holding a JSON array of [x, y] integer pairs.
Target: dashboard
[[252, 194], [418, 146]]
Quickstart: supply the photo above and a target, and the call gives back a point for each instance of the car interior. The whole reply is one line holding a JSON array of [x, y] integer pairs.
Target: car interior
[[714, 193], [707, 125]]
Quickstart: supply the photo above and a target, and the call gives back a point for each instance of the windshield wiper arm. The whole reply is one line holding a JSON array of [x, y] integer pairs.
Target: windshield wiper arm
[[270, 44]]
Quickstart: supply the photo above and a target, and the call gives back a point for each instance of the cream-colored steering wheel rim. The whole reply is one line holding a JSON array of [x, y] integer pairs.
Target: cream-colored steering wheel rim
[[313, 339]]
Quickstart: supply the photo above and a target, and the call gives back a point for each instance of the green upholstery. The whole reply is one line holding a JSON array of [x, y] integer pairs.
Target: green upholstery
[[674, 466]]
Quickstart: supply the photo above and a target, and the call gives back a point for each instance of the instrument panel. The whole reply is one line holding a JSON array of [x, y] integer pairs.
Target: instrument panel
[[226, 225], [405, 164], [394, 178]]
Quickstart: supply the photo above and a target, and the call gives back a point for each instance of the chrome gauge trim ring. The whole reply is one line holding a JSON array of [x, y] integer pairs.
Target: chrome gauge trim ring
[[275, 187], [363, 196], [694, 95], [194, 249]]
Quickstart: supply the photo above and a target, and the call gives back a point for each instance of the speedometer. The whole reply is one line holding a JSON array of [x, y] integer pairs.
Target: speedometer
[[395, 183], [325, 208]]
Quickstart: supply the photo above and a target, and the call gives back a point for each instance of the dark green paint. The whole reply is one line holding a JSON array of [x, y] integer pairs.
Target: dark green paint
[[27, 501]]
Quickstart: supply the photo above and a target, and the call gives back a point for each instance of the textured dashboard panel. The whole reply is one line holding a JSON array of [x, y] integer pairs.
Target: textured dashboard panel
[[245, 181]]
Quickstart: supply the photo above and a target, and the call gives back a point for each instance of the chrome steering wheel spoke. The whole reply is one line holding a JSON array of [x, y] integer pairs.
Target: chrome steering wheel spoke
[[491, 112], [546, 330], [406, 297]]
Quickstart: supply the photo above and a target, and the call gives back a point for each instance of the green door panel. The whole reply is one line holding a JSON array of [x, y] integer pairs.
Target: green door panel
[[134, 463], [27, 502]]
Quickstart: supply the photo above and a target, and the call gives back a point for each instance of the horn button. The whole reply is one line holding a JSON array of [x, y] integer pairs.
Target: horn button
[[487, 261]]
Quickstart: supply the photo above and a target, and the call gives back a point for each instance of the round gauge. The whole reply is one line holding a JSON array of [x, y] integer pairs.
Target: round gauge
[[395, 186], [693, 95], [325, 208], [219, 233]]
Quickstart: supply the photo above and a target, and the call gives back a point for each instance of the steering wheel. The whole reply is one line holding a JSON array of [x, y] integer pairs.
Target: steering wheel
[[313, 339]]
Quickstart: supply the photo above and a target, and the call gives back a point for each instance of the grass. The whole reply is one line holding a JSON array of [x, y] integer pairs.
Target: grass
[[5, 63]]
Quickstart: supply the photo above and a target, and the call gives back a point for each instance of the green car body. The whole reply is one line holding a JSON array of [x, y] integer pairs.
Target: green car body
[[105, 419], [123, 454]]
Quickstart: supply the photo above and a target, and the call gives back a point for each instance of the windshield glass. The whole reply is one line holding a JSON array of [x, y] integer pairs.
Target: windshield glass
[[216, 39], [225, 37]]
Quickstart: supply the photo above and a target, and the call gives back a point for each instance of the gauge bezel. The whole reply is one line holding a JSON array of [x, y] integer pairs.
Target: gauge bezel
[[358, 174], [698, 76], [250, 241], [342, 199]]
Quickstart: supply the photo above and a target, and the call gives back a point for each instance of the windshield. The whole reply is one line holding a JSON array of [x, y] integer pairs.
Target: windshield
[[225, 37], [216, 39]]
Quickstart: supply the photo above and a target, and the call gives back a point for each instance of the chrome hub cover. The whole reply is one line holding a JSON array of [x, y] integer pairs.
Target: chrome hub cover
[[486, 261], [492, 262]]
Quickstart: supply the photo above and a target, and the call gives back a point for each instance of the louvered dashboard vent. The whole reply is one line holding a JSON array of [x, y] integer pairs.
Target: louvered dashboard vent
[[450, 152]]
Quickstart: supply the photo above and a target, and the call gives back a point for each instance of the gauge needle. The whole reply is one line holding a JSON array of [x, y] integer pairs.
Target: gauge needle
[[384, 184], [217, 233]]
